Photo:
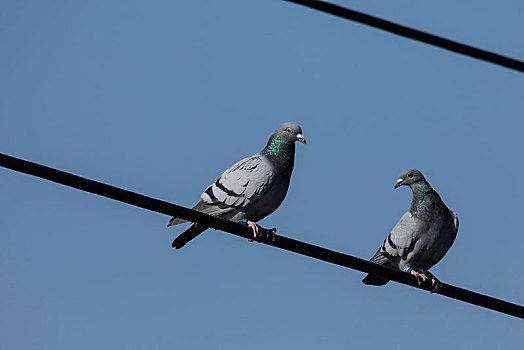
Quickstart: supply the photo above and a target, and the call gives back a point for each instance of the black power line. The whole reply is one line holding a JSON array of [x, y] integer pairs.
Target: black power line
[[286, 243], [412, 33]]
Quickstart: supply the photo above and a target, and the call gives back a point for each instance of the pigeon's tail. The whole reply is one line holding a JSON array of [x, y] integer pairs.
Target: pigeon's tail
[[200, 206], [375, 280], [379, 259], [190, 233], [176, 221]]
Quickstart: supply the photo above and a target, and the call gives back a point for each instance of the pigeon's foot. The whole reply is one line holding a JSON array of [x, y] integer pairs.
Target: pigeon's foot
[[254, 227], [260, 233], [272, 232], [420, 278], [434, 281]]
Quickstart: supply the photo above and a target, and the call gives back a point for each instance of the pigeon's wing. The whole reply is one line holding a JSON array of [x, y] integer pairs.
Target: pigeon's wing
[[400, 242], [455, 226], [241, 185]]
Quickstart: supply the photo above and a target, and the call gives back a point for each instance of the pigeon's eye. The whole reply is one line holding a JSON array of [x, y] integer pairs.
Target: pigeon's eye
[[410, 175], [289, 130]]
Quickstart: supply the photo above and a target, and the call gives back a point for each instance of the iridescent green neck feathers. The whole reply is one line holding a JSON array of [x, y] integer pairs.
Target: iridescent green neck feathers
[[423, 195], [280, 149], [274, 146]]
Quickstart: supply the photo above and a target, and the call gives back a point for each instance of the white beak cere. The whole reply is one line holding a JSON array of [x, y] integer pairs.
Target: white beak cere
[[398, 181], [301, 138]]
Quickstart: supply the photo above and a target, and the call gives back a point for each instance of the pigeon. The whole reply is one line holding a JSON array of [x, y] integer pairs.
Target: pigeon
[[252, 188], [422, 236]]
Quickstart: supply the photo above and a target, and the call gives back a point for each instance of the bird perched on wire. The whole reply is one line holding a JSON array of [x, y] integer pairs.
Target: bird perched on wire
[[252, 188], [422, 236]]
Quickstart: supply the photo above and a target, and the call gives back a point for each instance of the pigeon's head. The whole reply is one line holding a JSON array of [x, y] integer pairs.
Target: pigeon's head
[[409, 177], [290, 132]]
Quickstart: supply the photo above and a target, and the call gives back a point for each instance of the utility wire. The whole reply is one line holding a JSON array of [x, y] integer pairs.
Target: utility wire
[[412, 33], [237, 229]]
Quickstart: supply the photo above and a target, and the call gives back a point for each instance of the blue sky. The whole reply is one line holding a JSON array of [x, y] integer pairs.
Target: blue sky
[[160, 97]]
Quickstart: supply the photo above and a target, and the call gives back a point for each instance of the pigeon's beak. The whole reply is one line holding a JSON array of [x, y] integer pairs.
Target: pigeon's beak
[[301, 138], [399, 183]]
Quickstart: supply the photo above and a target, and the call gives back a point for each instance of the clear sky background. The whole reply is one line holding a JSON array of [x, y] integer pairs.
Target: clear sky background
[[160, 97]]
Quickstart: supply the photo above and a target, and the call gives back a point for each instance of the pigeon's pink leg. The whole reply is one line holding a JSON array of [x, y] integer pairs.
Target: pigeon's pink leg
[[420, 278], [434, 281], [254, 227]]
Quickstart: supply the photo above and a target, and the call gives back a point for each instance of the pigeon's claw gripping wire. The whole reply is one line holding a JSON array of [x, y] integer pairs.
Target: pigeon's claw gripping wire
[[260, 232]]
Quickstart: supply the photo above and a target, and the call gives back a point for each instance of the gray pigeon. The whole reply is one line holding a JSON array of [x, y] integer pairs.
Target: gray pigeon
[[251, 189], [422, 236]]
